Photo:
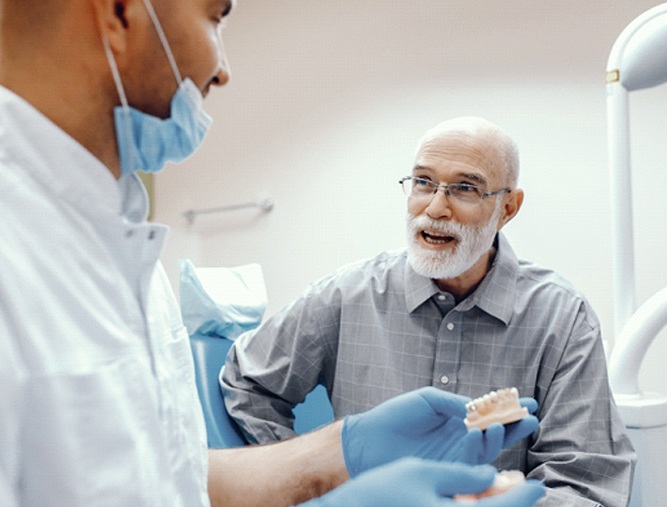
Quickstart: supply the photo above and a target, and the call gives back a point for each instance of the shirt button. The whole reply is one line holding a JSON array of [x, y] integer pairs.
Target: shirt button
[[129, 234], [442, 297], [444, 380], [151, 235], [450, 326]]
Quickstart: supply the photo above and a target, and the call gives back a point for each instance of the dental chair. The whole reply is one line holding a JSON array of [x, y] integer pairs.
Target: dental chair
[[638, 60], [209, 353]]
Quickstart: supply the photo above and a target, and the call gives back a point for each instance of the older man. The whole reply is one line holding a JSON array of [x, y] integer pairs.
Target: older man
[[456, 310]]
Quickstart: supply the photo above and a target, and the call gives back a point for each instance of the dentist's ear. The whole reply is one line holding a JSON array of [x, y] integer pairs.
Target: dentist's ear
[[113, 20]]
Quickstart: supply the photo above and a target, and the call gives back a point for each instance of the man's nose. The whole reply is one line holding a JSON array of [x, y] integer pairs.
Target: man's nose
[[439, 207]]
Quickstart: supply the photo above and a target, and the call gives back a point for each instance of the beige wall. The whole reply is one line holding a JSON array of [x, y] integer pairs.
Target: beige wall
[[327, 101]]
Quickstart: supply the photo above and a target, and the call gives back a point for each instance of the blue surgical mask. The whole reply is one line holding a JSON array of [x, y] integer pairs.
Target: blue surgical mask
[[146, 142]]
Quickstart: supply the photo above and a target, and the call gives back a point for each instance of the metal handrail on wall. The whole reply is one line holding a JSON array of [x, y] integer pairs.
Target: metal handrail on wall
[[264, 205]]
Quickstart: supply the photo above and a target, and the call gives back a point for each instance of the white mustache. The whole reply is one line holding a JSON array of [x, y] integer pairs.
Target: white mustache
[[421, 223]]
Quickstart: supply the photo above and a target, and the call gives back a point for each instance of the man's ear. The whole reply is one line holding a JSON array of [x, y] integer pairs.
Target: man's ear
[[512, 206], [112, 17]]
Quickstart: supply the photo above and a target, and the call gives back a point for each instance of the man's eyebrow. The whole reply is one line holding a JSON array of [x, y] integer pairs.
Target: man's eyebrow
[[479, 178], [420, 168]]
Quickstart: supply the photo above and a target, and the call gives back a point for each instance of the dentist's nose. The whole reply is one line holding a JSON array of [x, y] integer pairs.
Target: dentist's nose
[[222, 74]]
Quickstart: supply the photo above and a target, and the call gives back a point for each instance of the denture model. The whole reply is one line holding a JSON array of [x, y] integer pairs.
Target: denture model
[[501, 406], [504, 481]]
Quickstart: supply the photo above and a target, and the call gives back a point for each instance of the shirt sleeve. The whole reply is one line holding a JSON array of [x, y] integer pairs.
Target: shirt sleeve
[[270, 370], [581, 451]]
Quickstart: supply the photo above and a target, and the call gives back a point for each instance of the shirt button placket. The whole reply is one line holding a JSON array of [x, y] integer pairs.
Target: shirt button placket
[[447, 354], [444, 379]]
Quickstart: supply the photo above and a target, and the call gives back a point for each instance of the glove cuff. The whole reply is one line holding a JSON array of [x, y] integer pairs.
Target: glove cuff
[[351, 446]]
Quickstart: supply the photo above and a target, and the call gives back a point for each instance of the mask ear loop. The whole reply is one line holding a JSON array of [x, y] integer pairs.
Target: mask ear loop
[[163, 40], [114, 72], [123, 99]]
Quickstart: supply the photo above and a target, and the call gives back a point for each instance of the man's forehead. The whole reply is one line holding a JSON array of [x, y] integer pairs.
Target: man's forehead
[[460, 157]]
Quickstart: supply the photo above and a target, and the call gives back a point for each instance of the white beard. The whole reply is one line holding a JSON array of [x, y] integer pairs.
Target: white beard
[[472, 243]]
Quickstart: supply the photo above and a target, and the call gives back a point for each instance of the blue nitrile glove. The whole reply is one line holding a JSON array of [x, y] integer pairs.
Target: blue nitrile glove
[[526, 426], [416, 482], [427, 423]]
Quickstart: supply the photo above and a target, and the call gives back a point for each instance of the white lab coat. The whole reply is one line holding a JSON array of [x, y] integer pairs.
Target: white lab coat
[[98, 404]]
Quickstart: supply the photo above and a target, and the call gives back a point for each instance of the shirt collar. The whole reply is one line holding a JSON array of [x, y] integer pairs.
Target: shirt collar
[[418, 288], [495, 295]]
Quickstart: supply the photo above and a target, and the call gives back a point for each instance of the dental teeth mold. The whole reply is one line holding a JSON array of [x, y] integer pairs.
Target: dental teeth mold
[[504, 481], [501, 406]]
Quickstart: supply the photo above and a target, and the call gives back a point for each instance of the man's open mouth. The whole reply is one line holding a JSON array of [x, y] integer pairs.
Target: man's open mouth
[[437, 238]]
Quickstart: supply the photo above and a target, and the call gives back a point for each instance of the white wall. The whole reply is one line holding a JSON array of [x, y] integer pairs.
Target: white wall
[[328, 99]]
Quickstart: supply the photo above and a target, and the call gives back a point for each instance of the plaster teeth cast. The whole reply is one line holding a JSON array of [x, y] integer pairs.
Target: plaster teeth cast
[[504, 481], [500, 406]]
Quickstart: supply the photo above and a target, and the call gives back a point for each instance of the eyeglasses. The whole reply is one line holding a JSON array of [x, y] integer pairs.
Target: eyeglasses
[[464, 193]]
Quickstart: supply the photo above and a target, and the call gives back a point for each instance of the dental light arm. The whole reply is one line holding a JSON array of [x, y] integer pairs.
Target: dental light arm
[[638, 60]]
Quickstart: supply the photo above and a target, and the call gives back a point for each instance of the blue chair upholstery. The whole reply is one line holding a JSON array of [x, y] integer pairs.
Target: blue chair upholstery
[[315, 411], [209, 353]]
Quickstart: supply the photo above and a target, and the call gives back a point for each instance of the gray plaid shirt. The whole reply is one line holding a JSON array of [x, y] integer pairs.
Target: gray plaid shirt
[[376, 329]]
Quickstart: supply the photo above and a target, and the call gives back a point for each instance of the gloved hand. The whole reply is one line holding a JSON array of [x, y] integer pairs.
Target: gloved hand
[[427, 423], [415, 482], [521, 429]]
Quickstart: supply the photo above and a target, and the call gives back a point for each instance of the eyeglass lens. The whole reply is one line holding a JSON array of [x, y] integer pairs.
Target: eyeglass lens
[[422, 188]]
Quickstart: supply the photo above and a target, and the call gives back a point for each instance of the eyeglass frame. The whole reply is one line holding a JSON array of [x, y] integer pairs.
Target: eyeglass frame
[[445, 187]]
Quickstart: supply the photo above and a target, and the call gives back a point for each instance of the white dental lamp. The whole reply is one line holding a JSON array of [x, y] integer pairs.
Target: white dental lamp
[[638, 60]]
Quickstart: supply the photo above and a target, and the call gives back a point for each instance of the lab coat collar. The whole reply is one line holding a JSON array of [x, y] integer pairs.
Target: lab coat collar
[[55, 159]]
